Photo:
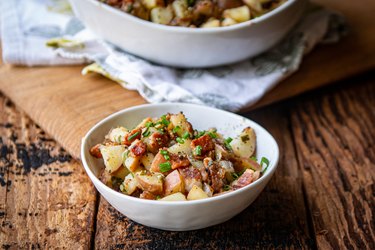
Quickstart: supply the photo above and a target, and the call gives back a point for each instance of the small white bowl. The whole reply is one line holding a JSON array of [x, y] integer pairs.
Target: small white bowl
[[181, 215], [188, 47]]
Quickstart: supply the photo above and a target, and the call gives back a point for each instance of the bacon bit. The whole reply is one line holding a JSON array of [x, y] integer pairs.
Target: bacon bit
[[245, 179], [157, 141], [216, 174], [206, 143], [179, 161], [95, 151], [147, 195], [138, 148], [128, 141]]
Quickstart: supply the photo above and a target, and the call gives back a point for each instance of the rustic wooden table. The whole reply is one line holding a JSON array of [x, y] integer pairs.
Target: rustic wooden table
[[321, 196]]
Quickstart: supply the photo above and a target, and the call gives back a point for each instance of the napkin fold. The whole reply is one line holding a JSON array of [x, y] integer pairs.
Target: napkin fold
[[28, 26]]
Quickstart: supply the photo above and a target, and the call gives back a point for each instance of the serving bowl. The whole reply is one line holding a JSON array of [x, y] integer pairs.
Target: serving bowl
[[188, 47], [181, 215]]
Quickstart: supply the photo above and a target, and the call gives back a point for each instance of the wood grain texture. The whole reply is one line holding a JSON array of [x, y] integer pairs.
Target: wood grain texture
[[66, 104], [277, 219], [46, 199], [335, 142]]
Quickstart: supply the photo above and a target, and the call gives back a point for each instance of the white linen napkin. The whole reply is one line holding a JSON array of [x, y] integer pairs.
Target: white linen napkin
[[28, 25]]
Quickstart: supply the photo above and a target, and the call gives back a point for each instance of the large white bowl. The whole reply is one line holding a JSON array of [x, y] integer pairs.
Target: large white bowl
[[181, 215], [188, 47]]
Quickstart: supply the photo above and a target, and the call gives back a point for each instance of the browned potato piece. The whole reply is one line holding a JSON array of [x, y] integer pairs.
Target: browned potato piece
[[158, 159], [150, 183], [191, 177], [173, 183]]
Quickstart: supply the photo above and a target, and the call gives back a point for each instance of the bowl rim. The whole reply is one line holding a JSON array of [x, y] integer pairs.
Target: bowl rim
[[270, 170], [181, 29]]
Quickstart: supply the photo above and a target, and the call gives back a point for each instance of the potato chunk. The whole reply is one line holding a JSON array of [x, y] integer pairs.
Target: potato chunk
[[150, 183], [196, 193], [179, 121], [180, 8], [254, 5], [161, 15], [239, 14], [181, 148], [244, 144], [112, 156], [117, 134], [211, 23], [174, 197], [146, 160], [130, 184], [173, 183]]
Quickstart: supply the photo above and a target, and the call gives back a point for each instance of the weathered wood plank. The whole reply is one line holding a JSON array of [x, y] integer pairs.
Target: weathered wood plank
[[335, 140], [276, 219], [46, 199]]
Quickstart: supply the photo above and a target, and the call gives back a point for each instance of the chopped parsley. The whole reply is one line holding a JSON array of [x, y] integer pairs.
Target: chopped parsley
[[254, 158], [133, 136], [147, 132], [235, 175], [198, 150], [165, 166]]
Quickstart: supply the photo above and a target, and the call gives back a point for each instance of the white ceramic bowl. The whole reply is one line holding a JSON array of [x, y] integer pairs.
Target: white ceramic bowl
[[181, 215], [188, 47]]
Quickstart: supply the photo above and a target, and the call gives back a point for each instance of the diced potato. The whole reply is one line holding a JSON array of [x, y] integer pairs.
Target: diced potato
[[117, 134], [254, 4], [196, 193], [132, 163], [180, 121], [220, 152], [158, 159], [150, 183], [173, 183], [244, 144], [121, 172], [191, 177], [180, 8], [239, 14], [130, 184], [112, 156], [174, 197], [211, 23], [228, 22], [161, 15], [179, 148], [146, 160]]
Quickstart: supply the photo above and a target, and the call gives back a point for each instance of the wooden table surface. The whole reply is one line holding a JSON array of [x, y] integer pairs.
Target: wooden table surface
[[321, 196]]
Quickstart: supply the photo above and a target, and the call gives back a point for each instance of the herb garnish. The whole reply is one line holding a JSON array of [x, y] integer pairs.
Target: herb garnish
[[186, 135], [213, 135], [227, 143], [226, 188], [265, 161], [130, 138], [245, 138], [165, 166], [165, 154], [164, 120], [176, 129], [198, 150], [199, 134], [180, 140]]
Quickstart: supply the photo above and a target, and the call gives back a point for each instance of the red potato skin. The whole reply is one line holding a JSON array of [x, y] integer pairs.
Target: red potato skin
[[171, 181], [175, 160], [95, 151], [245, 179], [191, 176]]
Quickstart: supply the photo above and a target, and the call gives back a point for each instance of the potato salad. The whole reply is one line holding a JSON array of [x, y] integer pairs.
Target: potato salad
[[166, 159], [196, 13]]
